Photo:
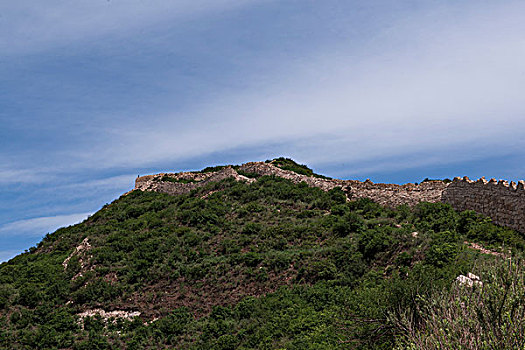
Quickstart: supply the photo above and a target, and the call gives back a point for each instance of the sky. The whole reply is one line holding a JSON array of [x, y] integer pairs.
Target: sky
[[96, 92]]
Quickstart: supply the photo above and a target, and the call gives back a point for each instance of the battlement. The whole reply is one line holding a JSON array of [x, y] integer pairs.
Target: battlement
[[502, 201], [519, 186]]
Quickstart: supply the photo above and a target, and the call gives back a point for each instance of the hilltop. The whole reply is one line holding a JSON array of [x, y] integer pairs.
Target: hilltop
[[240, 257]]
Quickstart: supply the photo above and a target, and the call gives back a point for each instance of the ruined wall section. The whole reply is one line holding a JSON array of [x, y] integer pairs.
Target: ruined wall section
[[386, 194], [504, 203], [270, 169], [392, 195], [501, 201], [156, 183]]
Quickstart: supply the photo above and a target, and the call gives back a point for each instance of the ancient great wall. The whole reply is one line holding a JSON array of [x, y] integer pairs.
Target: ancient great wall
[[503, 202]]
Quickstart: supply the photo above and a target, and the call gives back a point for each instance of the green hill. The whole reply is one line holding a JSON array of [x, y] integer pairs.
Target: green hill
[[263, 265]]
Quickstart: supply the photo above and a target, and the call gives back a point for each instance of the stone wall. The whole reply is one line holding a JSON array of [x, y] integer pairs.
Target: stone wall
[[386, 194], [270, 169], [504, 203], [392, 195], [156, 184], [501, 201]]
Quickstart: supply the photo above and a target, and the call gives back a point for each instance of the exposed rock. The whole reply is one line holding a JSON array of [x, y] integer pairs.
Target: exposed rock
[[469, 280], [79, 251], [483, 250], [108, 315]]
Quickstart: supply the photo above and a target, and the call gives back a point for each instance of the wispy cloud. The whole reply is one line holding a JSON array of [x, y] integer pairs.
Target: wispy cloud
[[112, 182], [8, 176], [41, 225], [455, 83], [5, 255], [26, 28], [447, 76], [10, 173]]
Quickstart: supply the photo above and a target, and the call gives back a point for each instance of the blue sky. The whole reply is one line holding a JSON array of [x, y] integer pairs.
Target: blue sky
[[95, 92]]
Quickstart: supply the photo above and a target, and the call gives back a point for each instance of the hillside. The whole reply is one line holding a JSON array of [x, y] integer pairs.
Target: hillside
[[261, 262]]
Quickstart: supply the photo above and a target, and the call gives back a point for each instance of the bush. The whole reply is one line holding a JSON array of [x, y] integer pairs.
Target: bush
[[252, 228], [95, 342], [5, 295], [374, 241], [320, 270], [29, 296], [367, 208], [251, 259], [470, 317], [174, 323], [443, 249], [349, 223], [435, 217]]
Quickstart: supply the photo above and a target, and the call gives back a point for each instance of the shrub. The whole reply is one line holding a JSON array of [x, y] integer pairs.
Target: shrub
[[174, 323], [367, 208], [252, 259], [373, 241], [350, 223], [318, 271], [248, 174], [470, 317], [5, 295], [29, 296], [435, 217], [252, 228], [290, 164], [443, 249]]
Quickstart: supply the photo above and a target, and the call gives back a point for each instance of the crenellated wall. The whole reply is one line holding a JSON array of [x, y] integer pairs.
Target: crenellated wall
[[504, 203], [501, 201]]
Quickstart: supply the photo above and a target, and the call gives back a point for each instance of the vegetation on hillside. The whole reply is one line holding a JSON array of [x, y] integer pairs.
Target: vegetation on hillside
[[290, 164], [267, 265]]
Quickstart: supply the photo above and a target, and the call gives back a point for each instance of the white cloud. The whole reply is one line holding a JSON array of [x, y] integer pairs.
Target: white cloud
[[427, 82], [9, 176], [114, 182], [5, 255], [456, 83], [26, 26], [16, 171], [40, 226]]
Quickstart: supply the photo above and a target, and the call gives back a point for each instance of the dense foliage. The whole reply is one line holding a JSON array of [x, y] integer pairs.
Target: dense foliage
[[268, 265]]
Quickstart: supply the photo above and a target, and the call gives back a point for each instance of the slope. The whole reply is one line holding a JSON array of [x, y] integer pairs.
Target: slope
[[233, 264]]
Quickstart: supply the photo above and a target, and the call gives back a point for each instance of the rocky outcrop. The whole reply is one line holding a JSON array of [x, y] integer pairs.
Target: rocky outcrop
[[107, 316], [79, 251]]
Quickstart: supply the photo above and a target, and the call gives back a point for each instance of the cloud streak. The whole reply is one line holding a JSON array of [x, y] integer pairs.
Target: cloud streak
[[5, 255], [27, 28], [446, 76], [41, 225], [457, 83]]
